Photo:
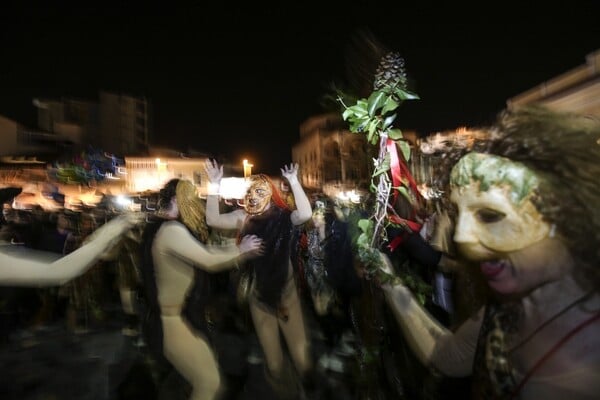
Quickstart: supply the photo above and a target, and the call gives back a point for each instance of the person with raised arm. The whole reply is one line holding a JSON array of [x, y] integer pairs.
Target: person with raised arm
[[273, 300]]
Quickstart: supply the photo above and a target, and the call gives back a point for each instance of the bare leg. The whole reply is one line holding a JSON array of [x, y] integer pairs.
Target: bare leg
[[294, 330], [192, 357], [267, 330], [127, 296]]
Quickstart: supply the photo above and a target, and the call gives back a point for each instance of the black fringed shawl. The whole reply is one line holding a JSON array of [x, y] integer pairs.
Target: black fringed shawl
[[151, 322], [274, 227]]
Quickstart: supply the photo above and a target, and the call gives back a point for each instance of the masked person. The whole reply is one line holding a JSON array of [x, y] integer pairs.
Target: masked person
[[173, 247], [527, 201], [328, 270], [274, 303]]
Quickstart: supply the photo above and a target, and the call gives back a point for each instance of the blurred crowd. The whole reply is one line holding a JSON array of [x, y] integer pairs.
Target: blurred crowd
[[348, 326], [490, 291], [79, 303]]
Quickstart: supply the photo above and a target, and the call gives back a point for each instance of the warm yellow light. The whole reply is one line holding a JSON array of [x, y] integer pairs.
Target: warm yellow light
[[247, 168], [161, 165]]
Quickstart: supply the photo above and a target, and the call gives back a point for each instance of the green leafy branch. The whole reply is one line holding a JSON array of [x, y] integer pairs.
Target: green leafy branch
[[375, 117]]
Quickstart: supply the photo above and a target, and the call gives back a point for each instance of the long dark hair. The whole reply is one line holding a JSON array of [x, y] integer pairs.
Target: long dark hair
[[167, 193]]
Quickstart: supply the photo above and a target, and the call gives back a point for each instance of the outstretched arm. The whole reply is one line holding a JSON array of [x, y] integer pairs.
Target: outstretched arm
[[214, 218], [303, 211], [451, 353], [179, 241], [37, 268]]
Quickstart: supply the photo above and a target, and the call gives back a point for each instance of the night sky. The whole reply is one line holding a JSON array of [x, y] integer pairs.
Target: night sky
[[237, 81]]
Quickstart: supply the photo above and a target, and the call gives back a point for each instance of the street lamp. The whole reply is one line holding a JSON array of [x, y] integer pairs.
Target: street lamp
[[247, 169]]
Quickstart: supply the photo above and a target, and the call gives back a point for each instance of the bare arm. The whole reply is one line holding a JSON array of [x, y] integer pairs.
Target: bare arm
[[178, 241], [303, 211], [214, 218], [37, 268], [451, 353]]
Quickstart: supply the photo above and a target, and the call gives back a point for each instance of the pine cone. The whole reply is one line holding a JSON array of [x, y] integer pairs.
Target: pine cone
[[390, 73]]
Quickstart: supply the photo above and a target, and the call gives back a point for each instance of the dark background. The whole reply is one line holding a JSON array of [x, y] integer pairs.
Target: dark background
[[236, 81]]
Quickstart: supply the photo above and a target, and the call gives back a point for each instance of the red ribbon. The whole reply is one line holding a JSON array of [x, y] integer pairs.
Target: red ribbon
[[398, 169]]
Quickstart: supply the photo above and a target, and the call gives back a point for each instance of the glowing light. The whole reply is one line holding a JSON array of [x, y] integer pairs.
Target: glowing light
[[109, 175], [145, 182], [247, 168], [350, 196], [123, 201], [233, 188]]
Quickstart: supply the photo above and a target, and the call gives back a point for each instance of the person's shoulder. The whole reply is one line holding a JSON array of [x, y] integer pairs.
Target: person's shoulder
[[172, 224], [170, 230]]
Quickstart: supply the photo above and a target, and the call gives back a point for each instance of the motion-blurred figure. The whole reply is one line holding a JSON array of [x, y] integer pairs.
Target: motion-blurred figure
[[173, 248], [527, 215], [273, 299]]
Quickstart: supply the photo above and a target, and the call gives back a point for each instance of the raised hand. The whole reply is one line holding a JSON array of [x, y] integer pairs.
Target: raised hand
[[290, 172], [213, 170]]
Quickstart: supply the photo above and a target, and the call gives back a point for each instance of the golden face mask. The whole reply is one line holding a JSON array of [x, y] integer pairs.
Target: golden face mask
[[258, 196], [495, 211]]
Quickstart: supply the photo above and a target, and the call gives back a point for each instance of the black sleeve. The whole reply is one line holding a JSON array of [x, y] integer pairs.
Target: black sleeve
[[419, 250]]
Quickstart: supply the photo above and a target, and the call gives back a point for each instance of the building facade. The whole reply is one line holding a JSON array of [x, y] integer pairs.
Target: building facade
[[150, 174], [577, 90], [125, 124], [72, 118], [331, 158], [117, 123], [18, 141]]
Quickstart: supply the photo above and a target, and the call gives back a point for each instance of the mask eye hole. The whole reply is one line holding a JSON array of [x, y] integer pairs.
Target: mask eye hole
[[489, 216]]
